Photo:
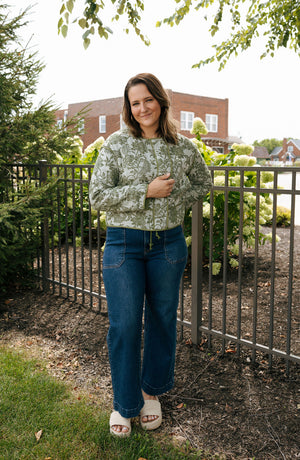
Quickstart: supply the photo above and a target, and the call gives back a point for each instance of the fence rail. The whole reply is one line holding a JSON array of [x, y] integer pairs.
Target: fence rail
[[247, 307]]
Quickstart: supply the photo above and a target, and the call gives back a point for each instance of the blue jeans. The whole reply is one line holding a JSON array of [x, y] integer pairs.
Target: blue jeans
[[142, 268]]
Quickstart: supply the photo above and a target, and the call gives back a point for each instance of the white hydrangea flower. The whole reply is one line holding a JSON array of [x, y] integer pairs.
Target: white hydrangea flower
[[267, 176], [242, 149], [199, 127], [241, 160], [252, 161], [248, 230], [234, 263], [235, 180], [206, 210], [269, 237], [234, 248], [216, 267], [188, 240], [250, 198]]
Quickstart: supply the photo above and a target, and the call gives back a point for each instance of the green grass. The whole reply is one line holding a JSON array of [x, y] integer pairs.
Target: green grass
[[31, 400]]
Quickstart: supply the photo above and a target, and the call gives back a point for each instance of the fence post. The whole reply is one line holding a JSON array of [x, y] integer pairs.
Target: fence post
[[197, 267], [44, 232]]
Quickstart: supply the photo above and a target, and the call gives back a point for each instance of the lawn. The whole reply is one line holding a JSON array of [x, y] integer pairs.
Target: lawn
[[40, 418]]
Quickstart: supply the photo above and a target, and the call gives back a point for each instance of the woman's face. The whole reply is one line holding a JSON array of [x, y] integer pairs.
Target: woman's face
[[145, 109]]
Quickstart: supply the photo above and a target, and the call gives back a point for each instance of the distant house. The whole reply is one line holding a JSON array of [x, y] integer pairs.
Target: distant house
[[288, 153], [261, 154], [105, 117]]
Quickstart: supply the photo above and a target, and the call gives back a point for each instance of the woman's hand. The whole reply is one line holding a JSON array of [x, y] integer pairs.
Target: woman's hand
[[160, 187]]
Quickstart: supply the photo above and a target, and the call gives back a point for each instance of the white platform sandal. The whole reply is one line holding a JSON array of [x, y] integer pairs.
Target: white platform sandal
[[117, 419], [151, 407]]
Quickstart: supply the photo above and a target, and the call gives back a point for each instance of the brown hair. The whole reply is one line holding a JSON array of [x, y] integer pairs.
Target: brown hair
[[167, 128]]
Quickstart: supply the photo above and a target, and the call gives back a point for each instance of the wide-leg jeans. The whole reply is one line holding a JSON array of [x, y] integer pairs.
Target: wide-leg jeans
[[142, 271]]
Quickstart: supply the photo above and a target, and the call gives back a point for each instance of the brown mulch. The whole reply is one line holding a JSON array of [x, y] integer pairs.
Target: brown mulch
[[221, 403]]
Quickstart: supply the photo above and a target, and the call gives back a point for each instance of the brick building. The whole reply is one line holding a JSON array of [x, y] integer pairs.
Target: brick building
[[104, 117], [288, 153]]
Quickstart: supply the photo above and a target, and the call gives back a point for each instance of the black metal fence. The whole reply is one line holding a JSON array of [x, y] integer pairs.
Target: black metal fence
[[253, 304]]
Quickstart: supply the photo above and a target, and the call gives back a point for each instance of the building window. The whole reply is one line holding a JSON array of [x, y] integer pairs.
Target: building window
[[65, 116], [186, 121], [218, 149], [102, 124], [59, 123], [122, 122], [81, 127], [290, 148], [211, 122]]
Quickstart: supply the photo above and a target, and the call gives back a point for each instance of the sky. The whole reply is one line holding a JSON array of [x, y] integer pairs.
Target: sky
[[264, 95]]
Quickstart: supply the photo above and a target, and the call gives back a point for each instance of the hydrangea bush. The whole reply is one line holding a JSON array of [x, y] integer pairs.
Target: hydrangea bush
[[239, 156]]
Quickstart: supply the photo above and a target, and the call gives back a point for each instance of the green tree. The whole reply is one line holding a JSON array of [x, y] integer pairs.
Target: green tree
[[278, 22], [27, 134], [270, 144]]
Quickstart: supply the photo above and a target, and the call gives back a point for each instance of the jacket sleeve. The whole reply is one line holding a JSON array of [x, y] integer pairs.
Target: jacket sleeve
[[106, 193], [198, 178]]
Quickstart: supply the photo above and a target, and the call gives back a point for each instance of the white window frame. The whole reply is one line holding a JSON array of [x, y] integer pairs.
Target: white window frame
[[102, 123], [81, 127], [186, 120], [211, 121]]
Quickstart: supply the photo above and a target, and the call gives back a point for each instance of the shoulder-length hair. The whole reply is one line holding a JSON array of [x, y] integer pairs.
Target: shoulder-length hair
[[167, 128]]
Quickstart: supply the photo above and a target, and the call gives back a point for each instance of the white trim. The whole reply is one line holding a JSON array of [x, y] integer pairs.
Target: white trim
[[211, 121], [186, 120], [102, 123]]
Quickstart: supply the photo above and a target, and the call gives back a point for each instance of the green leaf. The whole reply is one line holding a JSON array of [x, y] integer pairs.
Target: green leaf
[[64, 30], [86, 43], [83, 23], [70, 5]]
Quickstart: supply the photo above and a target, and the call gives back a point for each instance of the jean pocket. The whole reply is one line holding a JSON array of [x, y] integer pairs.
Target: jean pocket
[[175, 247], [115, 245]]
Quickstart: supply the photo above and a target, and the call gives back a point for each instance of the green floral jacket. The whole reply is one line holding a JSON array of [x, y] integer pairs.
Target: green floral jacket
[[124, 168]]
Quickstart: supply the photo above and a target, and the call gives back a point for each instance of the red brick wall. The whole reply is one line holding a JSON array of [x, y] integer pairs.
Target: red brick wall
[[201, 106]]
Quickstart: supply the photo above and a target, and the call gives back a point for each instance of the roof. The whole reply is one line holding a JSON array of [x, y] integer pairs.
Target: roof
[[296, 142], [228, 140], [260, 152], [275, 152]]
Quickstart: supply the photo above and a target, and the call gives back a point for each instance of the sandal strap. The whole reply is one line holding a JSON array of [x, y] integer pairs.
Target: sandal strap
[[117, 419], [151, 407]]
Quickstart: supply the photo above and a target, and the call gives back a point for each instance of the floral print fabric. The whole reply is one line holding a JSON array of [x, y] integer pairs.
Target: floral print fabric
[[124, 168]]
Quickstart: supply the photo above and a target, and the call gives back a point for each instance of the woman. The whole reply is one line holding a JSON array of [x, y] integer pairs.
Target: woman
[[144, 178]]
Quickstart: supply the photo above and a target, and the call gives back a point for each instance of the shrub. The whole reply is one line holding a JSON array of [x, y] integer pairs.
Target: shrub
[[283, 217], [239, 156], [20, 234]]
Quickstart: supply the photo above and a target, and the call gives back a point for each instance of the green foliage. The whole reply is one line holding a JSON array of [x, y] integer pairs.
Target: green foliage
[[91, 22], [283, 217], [20, 233], [239, 156], [27, 134], [73, 215], [278, 22], [270, 144]]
